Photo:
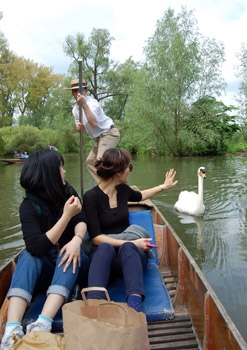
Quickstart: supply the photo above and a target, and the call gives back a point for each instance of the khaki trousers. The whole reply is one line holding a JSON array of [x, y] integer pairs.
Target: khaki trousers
[[102, 143]]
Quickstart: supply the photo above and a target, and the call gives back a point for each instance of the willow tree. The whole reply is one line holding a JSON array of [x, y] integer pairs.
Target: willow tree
[[242, 75], [110, 82], [181, 66], [95, 55]]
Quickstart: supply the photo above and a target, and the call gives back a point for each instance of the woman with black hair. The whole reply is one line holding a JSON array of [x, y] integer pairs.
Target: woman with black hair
[[106, 207], [53, 226]]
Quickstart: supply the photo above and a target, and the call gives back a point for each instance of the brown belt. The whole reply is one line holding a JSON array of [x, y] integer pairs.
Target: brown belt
[[111, 127]]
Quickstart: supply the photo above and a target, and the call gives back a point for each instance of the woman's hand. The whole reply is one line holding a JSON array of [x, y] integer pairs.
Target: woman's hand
[[169, 180], [71, 253], [142, 243], [72, 207]]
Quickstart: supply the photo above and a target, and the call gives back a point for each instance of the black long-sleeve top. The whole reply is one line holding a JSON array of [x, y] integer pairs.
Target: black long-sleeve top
[[101, 219], [37, 220]]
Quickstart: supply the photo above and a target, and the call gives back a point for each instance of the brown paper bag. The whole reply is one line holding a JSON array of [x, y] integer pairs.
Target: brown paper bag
[[99, 324], [39, 340]]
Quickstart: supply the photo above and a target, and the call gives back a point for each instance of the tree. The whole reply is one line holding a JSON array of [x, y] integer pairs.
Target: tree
[[35, 85], [210, 126], [176, 72], [121, 81], [110, 82], [8, 83], [242, 74], [95, 56], [25, 88]]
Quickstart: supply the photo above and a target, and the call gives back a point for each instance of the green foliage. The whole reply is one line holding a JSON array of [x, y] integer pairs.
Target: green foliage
[[242, 74], [237, 148], [29, 138], [164, 105], [7, 82], [1, 145], [177, 71], [210, 126], [95, 55], [110, 82]]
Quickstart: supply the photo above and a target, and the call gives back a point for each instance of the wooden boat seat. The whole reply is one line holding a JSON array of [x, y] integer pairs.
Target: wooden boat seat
[[157, 304]]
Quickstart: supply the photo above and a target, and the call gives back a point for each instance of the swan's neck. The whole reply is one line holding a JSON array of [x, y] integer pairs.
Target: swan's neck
[[200, 191]]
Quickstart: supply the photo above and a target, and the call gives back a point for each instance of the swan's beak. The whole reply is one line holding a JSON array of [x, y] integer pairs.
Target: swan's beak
[[203, 173]]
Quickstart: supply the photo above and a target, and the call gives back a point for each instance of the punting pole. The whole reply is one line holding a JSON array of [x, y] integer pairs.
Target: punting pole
[[81, 132]]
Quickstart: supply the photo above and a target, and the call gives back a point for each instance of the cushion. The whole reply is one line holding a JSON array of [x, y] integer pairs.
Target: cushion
[[157, 304], [144, 219]]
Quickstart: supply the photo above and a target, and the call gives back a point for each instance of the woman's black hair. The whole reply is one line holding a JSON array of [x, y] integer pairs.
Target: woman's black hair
[[41, 176], [113, 161]]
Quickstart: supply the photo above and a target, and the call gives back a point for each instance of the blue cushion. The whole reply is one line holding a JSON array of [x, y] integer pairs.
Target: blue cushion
[[157, 304], [144, 219]]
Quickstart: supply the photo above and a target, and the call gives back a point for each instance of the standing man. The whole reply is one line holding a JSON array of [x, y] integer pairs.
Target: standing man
[[94, 121]]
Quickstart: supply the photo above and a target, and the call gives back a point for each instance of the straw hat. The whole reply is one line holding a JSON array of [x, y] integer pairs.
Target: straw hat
[[74, 84]]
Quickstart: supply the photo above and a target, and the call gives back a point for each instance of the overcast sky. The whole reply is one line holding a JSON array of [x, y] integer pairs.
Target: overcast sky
[[37, 30]]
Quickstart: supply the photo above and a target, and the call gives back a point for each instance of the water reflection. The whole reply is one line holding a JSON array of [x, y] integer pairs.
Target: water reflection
[[198, 221]]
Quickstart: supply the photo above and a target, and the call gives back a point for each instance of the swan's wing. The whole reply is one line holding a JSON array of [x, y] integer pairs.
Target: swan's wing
[[187, 196], [187, 202]]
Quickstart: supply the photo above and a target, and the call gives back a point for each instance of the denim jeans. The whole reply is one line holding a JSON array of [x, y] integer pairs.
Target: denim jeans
[[107, 262], [32, 272]]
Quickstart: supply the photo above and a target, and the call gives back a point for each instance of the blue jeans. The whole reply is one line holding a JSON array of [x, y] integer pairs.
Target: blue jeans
[[32, 272], [107, 262]]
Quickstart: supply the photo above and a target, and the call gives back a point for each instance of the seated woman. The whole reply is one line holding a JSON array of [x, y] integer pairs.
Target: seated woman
[[106, 207], [53, 226]]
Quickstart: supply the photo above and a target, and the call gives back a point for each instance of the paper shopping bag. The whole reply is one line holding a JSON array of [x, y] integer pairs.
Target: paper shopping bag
[[39, 340], [103, 324]]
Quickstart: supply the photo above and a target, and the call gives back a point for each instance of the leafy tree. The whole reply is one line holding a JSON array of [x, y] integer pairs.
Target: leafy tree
[[36, 83], [8, 83], [110, 82], [121, 81], [176, 72], [242, 74], [210, 126], [29, 138], [95, 56]]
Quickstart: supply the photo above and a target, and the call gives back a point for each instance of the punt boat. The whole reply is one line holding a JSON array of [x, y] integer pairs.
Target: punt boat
[[14, 160], [181, 307]]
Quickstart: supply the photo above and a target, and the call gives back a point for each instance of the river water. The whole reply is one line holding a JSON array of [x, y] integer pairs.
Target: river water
[[217, 240]]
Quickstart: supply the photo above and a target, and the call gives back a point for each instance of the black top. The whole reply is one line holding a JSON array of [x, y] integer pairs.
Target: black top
[[102, 219], [36, 219]]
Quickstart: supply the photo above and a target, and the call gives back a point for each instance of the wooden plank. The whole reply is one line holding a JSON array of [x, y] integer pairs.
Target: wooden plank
[[175, 345], [217, 331], [175, 334]]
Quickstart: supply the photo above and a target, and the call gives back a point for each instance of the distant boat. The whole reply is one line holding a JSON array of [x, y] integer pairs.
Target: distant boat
[[19, 158], [14, 160]]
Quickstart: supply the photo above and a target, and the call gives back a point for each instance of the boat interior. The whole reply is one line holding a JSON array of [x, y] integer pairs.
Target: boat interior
[[181, 308]]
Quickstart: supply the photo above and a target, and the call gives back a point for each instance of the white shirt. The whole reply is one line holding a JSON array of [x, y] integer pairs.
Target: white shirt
[[103, 122]]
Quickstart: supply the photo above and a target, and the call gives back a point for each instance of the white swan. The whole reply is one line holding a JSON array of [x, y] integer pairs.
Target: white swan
[[190, 202]]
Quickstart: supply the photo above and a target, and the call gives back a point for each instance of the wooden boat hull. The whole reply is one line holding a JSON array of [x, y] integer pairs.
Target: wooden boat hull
[[200, 319]]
